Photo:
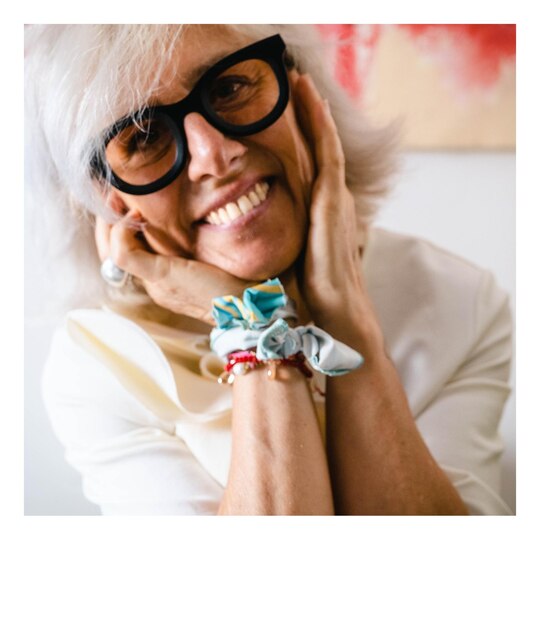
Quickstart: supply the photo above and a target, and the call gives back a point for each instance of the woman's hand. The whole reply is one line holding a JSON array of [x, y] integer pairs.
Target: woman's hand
[[330, 278], [184, 286]]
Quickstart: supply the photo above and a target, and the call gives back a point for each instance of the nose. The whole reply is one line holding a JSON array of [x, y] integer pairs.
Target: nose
[[211, 153]]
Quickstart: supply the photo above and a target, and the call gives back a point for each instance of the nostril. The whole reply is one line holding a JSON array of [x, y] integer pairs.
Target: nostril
[[211, 152]]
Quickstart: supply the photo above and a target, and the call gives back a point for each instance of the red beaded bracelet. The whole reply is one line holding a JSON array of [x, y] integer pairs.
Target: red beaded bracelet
[[243, 356], [240, 362]]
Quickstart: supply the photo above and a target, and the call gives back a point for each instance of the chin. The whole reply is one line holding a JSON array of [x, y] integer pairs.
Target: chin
[[260, 271], [256, 274]]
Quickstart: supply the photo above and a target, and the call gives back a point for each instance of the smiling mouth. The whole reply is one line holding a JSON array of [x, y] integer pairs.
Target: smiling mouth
[[240, 207]]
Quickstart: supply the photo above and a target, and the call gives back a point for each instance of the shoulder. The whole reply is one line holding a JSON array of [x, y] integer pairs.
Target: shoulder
[[70, 368], [84, 378], [417, 275], [89, 339], [392, 255], [106, 387], [436, 308], [78, 342]]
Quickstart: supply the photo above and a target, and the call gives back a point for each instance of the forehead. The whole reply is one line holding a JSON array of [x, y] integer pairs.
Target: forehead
[[200, 47]]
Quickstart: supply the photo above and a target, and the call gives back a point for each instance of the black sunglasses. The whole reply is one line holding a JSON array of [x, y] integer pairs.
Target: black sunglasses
[[242, 94]]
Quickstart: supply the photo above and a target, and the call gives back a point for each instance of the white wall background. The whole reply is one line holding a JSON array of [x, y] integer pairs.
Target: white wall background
[[464, 202]]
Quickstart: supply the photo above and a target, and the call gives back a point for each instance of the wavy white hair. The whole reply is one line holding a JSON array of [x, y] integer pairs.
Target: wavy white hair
[[79, 79]]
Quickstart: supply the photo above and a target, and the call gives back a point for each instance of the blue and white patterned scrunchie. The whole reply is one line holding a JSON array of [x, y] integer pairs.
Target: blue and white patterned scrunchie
[[258, 321]]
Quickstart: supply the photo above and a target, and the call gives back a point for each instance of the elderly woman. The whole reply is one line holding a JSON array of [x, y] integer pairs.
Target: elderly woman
[[243, 341]]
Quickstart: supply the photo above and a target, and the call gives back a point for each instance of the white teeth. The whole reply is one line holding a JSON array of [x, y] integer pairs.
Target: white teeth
[[244, 204], [222, 217], [262, 190], [254, 198], [232, 210]]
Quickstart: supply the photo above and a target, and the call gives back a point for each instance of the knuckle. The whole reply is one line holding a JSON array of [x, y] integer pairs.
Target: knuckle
[[337, 159], [155, 293], [162, 270]]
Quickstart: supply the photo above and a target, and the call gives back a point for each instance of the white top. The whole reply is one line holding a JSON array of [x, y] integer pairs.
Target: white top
[[142, 418]]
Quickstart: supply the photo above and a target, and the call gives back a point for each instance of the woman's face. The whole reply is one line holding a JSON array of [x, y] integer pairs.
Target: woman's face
[[265, 240]]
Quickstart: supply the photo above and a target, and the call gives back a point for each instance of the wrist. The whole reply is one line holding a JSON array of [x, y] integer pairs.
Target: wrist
[[357, 330], [257, 322]]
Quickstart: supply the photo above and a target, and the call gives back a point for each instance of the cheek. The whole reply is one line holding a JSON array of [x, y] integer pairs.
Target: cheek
[[160, 208], [167, 232]]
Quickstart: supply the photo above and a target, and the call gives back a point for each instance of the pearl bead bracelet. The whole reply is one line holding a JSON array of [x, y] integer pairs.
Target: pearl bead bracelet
[[241, 362]]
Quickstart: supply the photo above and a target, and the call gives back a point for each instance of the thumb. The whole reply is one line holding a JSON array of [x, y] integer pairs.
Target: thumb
[[102, 233]]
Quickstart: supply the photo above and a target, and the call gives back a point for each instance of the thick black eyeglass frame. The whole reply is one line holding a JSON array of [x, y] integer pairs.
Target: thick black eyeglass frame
[[271, 50]]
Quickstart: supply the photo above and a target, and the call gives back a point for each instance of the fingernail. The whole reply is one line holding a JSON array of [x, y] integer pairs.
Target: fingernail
[[137, 216], [137, 222]]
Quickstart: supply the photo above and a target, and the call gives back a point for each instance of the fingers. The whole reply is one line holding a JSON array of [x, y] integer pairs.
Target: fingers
[[102, 234], [131, 254], [122, 243], [320, 129], [103, 230]]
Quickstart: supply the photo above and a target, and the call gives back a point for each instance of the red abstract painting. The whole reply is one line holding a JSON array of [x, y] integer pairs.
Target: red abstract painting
[[469, 65]]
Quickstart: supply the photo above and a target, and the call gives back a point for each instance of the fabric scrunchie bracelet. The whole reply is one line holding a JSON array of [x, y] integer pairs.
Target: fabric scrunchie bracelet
[[258, 321]]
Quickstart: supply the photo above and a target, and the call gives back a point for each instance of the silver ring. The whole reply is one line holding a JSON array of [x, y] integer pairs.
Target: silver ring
[[112, 274]]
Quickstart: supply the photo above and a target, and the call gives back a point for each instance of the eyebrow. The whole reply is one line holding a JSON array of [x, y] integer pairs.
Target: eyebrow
[[195, 73], [191, 77]]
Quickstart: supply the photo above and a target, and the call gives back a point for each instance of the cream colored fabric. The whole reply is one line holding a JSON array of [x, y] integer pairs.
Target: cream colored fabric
[[142, 418]]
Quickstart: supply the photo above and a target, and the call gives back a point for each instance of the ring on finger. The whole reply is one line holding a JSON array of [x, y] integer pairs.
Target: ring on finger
[[112, 274]]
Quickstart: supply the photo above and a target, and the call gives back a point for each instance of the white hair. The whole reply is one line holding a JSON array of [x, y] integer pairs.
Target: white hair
[[79, 79]]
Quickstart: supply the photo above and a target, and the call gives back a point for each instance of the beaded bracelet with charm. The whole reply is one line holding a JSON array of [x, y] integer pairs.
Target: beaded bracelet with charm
[[241, 362]]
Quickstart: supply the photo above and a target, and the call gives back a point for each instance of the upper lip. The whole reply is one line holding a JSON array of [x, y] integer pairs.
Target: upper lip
[[230, 193]]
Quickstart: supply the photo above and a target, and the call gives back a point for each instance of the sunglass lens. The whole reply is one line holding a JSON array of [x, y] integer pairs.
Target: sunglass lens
[[244, 93], [143, 151]]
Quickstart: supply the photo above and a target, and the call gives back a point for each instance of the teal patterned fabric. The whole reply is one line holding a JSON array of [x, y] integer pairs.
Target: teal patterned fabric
[[258, 322]]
